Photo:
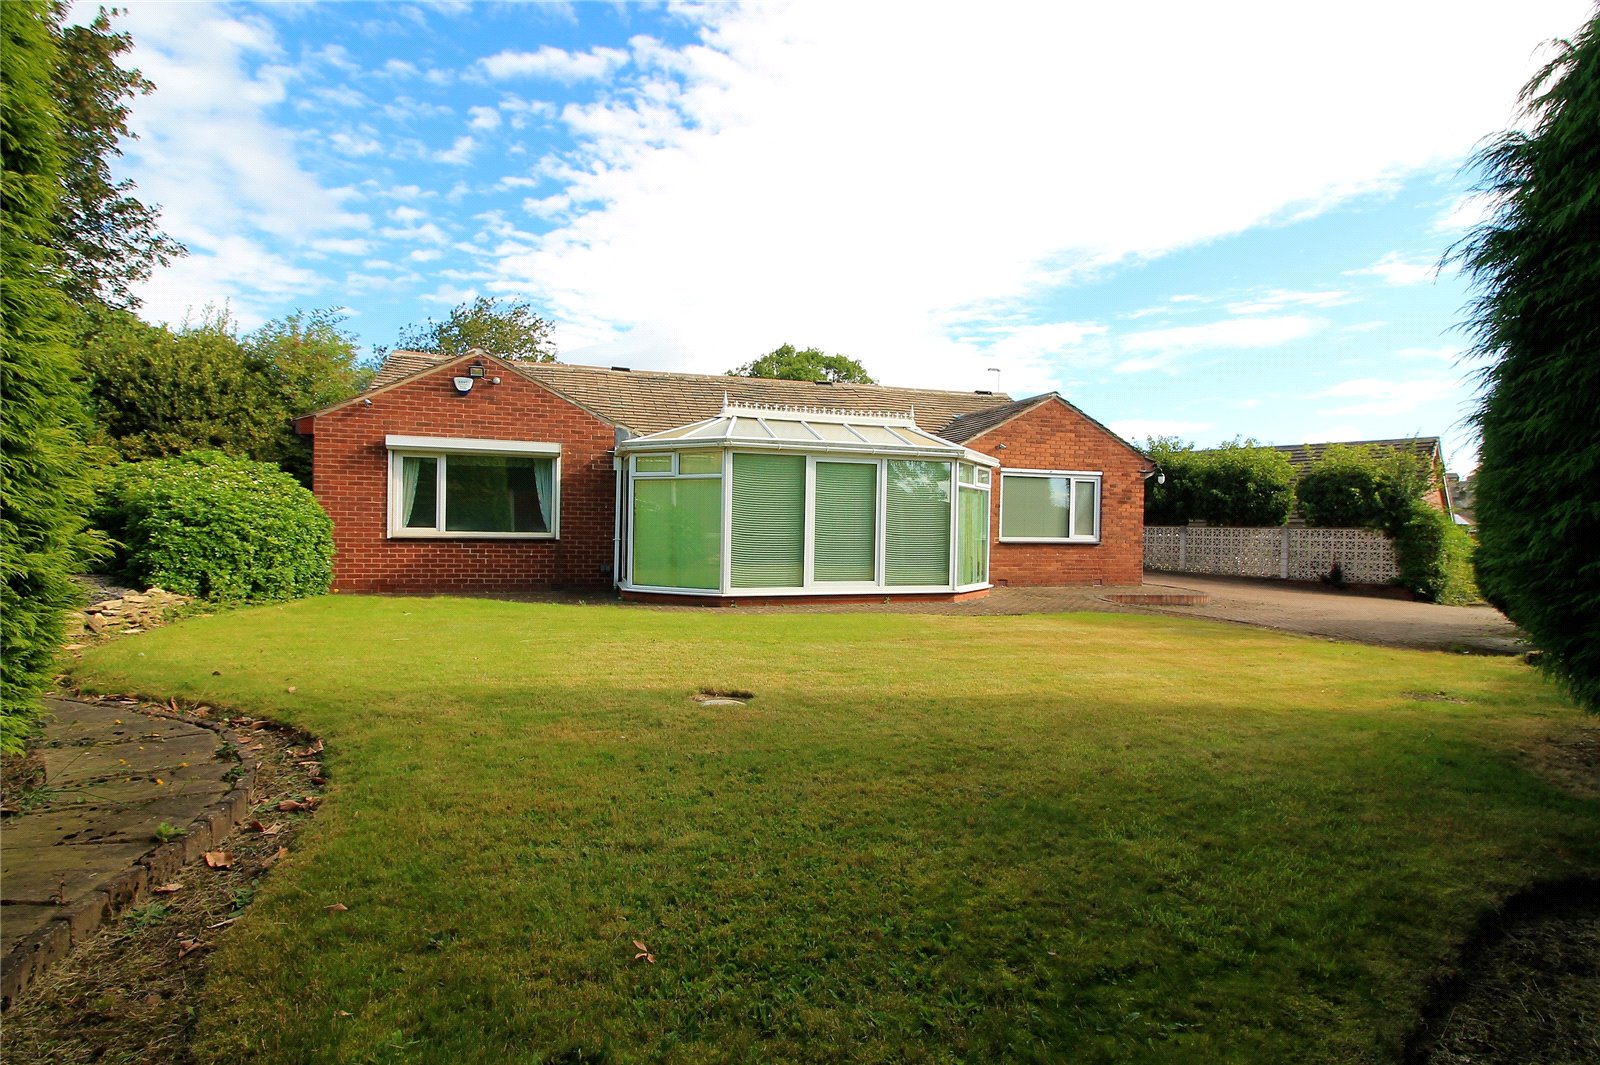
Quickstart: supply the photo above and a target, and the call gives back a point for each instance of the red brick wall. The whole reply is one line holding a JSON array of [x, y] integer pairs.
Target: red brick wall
[[1053, 436], [350, 476]]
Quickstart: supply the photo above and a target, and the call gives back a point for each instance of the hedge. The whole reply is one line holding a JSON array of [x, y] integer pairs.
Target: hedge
[[212, 525]]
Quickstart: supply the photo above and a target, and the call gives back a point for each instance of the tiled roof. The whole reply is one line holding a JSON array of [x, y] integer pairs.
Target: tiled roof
[[402, 363], [967, 426], [649, 401], [1424, 447]]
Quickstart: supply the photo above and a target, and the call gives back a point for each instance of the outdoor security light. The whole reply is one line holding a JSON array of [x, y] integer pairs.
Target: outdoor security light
[[475, 370]]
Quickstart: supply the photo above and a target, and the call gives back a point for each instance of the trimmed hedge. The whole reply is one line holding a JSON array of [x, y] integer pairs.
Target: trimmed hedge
[[208, 524]]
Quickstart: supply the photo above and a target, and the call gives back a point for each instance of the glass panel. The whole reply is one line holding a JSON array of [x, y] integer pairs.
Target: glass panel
[[983, 475], [419, 492], [834, 432], [784, 430], [493, 493], [652, 463], [749, 429], [973, 550], [917, 523], [769, 521], [1083, 508], [1034, 507], [964, 473], [878, 434], [677, 533], [846, 522], [700, 462]]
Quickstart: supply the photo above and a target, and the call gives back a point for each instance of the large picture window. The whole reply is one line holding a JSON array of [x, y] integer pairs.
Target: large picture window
[[494, 493], [1044, 506]]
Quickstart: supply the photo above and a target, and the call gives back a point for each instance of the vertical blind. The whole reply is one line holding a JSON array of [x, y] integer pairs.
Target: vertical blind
[[973, 549], [917, 523], [846, 521], [677, 532], [768, 521]]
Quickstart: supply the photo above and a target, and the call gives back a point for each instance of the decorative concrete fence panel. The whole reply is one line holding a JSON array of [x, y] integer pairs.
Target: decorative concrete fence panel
[[1365, 556]]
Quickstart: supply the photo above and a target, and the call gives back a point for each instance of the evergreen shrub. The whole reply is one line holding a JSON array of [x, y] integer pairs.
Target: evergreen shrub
[[208, 524]]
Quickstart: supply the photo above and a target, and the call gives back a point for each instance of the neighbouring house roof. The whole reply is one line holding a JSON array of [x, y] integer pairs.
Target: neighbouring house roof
[[650, 401], [1302, 455], [809, 429], [970, 426]]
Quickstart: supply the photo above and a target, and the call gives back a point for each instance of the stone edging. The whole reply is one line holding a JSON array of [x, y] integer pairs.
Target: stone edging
[[76, 923]]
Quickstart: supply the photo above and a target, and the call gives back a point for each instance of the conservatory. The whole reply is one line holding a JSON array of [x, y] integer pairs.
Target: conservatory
[[775, 501]]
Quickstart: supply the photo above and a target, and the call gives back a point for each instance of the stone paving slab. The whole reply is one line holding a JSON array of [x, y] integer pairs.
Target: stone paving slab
[[127, 758], [113, 775]]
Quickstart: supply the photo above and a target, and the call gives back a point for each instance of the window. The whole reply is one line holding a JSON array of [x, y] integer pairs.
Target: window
[[677, 520], [844, 540], [768, 523], [917, 523], [473, 488], [1049, 507], [972, 551]]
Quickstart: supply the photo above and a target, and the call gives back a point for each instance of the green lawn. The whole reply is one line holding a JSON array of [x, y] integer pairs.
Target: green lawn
[[1085, 838]]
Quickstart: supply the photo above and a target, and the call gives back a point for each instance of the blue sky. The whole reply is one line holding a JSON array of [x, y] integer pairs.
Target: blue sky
[[1205, 220]]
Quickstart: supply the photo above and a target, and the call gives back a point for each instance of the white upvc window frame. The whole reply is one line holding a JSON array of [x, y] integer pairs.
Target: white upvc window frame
[[1074, 477], [441, 448], [982, 481], [810, 585]]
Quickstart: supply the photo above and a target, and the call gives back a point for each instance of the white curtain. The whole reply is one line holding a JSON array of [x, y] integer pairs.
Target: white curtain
[[409, 469]]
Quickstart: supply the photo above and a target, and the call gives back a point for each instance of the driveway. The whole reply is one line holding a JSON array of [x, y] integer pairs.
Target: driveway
[[1309, 609], [1342, 615]]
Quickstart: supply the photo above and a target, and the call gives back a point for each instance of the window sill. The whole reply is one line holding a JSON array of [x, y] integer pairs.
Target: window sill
[[453, 535], [1048, 540]]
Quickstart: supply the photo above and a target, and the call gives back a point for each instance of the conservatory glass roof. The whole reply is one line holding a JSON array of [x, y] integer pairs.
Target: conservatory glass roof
[[812, 429]]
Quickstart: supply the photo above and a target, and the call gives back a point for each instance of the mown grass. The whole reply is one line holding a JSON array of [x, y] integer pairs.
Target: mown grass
[[1087, 838]]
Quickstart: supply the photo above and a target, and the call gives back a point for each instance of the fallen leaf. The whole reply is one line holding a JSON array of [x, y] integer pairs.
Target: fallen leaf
[[343, 1013], [290, 805], [167, 889], [644, 952], [268, 861], [254, 826], [188, 946], [319, 781], [291, 689], [272, 829], [173, 702], [219, 859], [313, 801], [337, 907], [152, 999], [159, 782]]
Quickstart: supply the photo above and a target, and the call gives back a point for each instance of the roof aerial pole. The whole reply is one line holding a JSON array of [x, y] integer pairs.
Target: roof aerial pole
[[996, 371]]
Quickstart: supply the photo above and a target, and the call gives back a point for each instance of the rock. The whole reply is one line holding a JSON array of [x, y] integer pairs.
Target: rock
[[95, 622]]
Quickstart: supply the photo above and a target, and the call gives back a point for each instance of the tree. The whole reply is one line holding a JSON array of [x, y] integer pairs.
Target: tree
[[108, 240], [1352, 487], [810, 364], [511, 330], [1536, 319], [1237, 483], [158, 391], [46, 482]]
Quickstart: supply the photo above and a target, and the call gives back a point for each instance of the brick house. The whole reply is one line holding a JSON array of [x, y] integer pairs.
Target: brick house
[[472, 473]]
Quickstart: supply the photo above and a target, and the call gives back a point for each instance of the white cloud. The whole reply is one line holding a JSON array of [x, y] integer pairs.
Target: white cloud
[[1444, 353], [342, 246], [1464, 213], [828, 156], [555, 63], [1160, 348], [483, 118], [459, 152], [1387, 398], [1277, 299], [1396, 269], [355, 144]]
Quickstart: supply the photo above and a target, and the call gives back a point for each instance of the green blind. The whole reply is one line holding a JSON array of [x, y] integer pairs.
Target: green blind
[[1034, 507], [652, 464], [700, 462], [769, 521], [677, 533], [917, 523], [1084, 508], [973, 549], [846, 521]]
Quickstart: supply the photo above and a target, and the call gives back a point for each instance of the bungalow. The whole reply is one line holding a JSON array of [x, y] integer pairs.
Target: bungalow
[[1426, 449], [472, 473]]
